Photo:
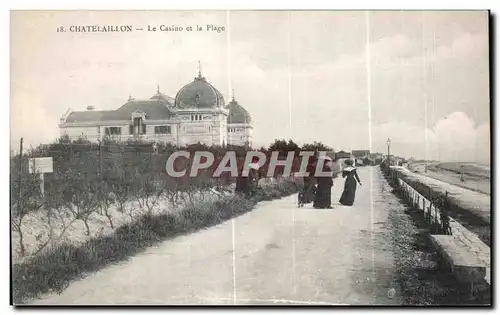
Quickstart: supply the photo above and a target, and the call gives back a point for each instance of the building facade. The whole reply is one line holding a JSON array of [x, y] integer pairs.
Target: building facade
[[343, 155], [376, 156], [360, 154], [197, 114]]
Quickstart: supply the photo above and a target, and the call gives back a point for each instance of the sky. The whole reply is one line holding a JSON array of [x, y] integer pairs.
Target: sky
[[350, 79]]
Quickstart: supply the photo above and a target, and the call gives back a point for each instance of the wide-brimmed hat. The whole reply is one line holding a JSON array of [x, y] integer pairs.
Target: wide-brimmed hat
[[348, 162]]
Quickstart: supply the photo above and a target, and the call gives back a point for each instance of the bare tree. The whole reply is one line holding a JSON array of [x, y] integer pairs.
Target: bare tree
[[25, 198], [81, 196], [148, 192], [123, 193], [107, 198]]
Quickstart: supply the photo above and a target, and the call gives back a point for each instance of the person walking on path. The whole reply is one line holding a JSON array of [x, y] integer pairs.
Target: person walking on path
[[309, 183], [323, 195], [247, 185], [349, 194]]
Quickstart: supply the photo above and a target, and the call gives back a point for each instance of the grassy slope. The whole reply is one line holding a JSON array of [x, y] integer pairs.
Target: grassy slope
[[53, 270]]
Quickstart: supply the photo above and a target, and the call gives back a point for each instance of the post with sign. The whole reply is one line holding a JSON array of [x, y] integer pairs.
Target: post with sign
[[41, 165]]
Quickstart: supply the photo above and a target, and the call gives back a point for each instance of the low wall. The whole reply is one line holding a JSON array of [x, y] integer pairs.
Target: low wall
[[438, 210], [470, 208]]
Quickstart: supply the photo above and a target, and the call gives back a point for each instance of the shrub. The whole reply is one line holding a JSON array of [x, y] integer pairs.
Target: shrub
[[25, 197], [55, 268]]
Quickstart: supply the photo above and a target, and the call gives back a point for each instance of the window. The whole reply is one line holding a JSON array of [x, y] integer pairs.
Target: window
[[163, 130], [110, 131], [138, 126]]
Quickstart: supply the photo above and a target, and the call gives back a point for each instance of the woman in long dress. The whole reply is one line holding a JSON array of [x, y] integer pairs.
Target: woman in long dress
[[323, 196], [247, 185], [347, 198], [309, 183]]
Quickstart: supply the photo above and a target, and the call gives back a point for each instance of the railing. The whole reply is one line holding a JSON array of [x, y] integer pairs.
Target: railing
[[436, 209]]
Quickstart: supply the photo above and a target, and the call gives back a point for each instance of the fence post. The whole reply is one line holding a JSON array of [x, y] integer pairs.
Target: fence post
[[430, 206], [445, 219], [20, 173], [100, 192], [100, 159], [424, 208], [430, 212]]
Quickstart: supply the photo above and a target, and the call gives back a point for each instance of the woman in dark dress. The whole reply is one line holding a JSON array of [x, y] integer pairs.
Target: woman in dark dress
[[247, 185], [347, 198], [309, 183], [323, 196]]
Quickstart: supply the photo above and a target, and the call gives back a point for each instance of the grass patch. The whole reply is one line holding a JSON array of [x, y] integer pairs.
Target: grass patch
[[421, 279], [55, 269]]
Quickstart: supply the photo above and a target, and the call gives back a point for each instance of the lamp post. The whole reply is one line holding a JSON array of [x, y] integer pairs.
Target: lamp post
[[388, 151]]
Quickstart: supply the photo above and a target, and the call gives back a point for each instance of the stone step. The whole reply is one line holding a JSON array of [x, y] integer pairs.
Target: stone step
[[474, 245], [465, 265]]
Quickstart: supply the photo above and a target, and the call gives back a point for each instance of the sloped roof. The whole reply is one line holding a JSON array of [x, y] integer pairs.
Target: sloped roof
[[162, 97], [154, 109]]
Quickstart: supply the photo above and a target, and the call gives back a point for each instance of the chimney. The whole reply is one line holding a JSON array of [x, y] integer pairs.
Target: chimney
[[90, 107]]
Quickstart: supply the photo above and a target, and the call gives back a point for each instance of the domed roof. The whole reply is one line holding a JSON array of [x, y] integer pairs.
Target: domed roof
[[237, 114], [199, 94]]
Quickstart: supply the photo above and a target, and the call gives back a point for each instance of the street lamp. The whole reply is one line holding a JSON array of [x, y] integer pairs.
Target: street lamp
[[388, 151]]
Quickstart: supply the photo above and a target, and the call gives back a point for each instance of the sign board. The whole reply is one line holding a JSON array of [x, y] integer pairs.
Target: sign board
[[41, 165]]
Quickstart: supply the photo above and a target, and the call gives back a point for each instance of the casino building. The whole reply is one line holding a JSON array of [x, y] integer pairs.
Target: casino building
[[198, 113]]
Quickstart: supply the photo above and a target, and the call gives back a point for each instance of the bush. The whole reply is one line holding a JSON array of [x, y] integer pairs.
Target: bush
[[88, 178], [54, 269]]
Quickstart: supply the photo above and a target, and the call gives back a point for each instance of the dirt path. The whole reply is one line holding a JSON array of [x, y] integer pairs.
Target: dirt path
[[276, 254]]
